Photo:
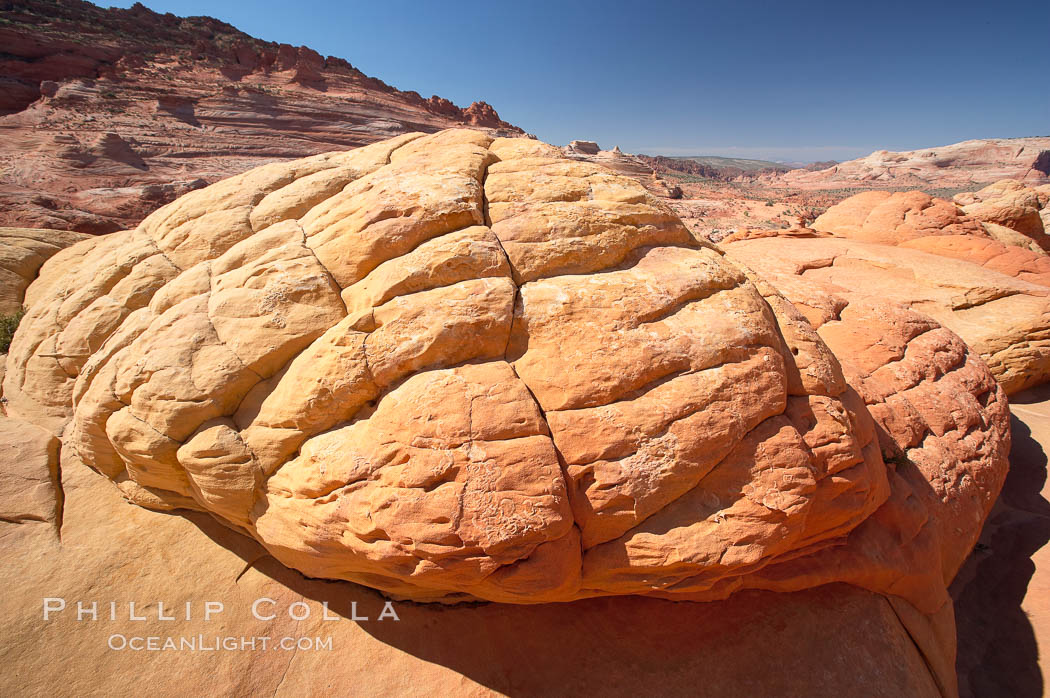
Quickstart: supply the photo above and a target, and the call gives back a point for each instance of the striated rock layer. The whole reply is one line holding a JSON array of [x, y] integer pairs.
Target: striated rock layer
[[106, 114], [463, 367], [957, 165]]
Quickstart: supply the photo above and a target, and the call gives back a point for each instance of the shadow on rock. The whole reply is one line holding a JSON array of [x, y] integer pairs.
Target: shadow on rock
[[997, 652], [833, 638]]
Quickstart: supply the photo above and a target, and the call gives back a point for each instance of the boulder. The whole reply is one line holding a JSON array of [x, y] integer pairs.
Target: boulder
[[372, 379], [456, 367], [891, 218], [585, 147], [22, 252]]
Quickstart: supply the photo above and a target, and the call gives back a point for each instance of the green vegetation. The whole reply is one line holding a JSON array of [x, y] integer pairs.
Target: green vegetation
[[8, 325], [691, 178], [745, 164], [949, 192]]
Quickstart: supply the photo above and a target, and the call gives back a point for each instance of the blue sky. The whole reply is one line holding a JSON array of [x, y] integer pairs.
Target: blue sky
[[774, 80]]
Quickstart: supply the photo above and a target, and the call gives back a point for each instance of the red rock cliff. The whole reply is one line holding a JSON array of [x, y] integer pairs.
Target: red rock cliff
[[107, 113]]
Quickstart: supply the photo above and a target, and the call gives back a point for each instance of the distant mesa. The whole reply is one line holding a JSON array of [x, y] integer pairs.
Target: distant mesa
[[712, 166], [973, 163]]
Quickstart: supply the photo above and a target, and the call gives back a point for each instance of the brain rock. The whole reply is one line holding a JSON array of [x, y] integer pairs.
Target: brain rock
[[449, 367]]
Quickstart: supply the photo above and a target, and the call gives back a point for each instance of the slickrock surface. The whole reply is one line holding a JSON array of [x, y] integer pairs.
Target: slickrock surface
[[890, 218], [998, 227], [838, 640], [29, 488], [106, 114], [22, 252], [1018, 262], [458, 367], [1007, 211], [1004, 319], [1011, 204], [976, 162]]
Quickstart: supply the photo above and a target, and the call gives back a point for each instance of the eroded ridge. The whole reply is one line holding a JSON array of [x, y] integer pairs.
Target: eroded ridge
[[448, 367], [1006, 320]]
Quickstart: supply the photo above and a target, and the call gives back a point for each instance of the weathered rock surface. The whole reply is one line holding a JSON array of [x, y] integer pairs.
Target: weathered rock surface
[[584, 147], [839, 640], [999, 227], [621, 163], [22, 252], [453, 366], [1010, 204], [892, 218], [106, 114], [1007, 211], [1012, 260], [1004, 319], [30, 492]]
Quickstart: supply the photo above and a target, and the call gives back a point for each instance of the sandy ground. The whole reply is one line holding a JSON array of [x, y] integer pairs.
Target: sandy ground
[[716, 209]]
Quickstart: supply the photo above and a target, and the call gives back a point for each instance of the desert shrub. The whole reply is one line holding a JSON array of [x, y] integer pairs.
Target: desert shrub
[[8, 325]]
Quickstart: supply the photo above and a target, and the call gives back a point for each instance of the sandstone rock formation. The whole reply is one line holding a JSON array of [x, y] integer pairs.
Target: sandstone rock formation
[[271, 374], [455, 367], [1012, 260], [1010, 204], [838, 639], [892, 218], [452, 367], [1006, 320], [998, 228], [22, 252], [106, 114], [29, 487], [584, 147], [958, 165]]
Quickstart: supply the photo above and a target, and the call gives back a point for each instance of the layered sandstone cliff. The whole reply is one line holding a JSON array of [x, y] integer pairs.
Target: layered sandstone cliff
[[106, 114]]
